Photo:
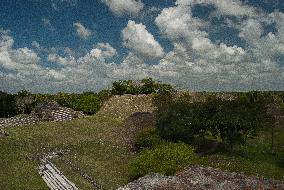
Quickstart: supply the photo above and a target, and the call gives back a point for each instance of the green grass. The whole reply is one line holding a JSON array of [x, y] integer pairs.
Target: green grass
[[85, 138], [253, 158], [93, 151]]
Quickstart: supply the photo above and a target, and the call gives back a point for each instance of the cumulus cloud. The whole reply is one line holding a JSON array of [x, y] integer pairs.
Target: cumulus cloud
[[36, 44], [17, 59], [82, 31], [47, 23], [103, 50], [224, 7], [139, 40], [125, 7], [196, 62], [58, 4], [64, 61]]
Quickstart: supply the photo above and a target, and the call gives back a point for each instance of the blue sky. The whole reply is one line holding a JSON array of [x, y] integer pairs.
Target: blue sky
[[80, 45]]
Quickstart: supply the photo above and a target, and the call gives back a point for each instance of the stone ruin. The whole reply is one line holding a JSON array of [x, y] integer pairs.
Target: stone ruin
[[44, 111]]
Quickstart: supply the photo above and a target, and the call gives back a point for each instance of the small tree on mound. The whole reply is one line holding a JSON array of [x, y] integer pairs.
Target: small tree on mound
[[275, 109], [233, 121], [24, 102]]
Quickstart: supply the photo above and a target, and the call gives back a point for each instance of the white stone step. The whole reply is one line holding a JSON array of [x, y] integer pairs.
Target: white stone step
[[54, 178]]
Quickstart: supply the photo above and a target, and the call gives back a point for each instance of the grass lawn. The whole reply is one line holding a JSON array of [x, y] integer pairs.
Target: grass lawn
[[89, 149], [253, 158]]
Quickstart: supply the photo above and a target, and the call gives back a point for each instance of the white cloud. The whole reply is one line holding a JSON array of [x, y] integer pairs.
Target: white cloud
[[224, 7], [177, 23], [24, 56], [198, 63], [58, 4], [16, 59], [195, 62], [125, 7], [36, 44], [82, 31], [65, 61], [139, 40], [47, 23], [103, 50], [251, 31]]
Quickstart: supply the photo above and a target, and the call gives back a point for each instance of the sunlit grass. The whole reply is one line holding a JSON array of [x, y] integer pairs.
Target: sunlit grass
[[85, 138]]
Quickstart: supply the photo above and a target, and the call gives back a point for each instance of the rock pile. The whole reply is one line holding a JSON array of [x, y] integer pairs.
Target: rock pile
[[45, 111], [203, 178], [3, 133], [125, 105], [125, 134], [52, 111], [19, 120]]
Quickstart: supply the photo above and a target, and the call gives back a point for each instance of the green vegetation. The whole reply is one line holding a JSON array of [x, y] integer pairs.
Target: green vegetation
[[88, 102], [7, 105], [148, 138], [240, 124], [246, 127], [87, 140], [145, 86], [253, 157], [232, 121], [165, 159]]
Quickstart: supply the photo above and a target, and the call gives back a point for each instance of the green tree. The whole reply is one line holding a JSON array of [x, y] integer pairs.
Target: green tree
[[24, 102]]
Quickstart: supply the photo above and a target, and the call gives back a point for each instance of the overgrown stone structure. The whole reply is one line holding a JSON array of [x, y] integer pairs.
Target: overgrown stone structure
[[44, 111]]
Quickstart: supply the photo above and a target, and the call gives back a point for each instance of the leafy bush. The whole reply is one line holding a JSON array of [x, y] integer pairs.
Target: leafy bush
[[7, 105], [123, 87], [145, 86], [165, 159], [148, 138], [148, 87], [24, 102], [182, 121], [232, 121], [88, 102], [235, 121]]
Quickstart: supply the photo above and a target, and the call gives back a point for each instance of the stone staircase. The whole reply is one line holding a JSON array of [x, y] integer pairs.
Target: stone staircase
[[54, 179]]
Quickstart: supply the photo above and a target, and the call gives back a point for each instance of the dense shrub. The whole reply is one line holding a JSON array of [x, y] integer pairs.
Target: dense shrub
[[181, 122], [148, 87], [123, 87], [88, 102], [163, 98], [232, 120], [7, 105], [145, 86], [148, 138], [24, 102], [235, 121], [165, 159]]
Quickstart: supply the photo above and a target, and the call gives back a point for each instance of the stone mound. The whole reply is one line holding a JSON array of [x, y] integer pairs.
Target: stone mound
[[203, 178], [125, 105], [44, 111], [52, 111], [125, 134]]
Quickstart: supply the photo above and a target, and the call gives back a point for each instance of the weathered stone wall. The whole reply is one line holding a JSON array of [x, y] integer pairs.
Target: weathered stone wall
[[125, 105], [40, 114]]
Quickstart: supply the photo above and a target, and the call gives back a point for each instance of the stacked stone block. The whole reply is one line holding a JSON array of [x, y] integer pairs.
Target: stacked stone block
[[47, 111]]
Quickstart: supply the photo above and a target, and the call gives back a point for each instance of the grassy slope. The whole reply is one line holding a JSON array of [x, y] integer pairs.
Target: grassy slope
[[253, 158], [88, 147], [94, 152]]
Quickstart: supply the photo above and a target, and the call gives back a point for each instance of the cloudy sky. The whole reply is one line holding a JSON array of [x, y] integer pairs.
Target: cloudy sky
[[85, 45]]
